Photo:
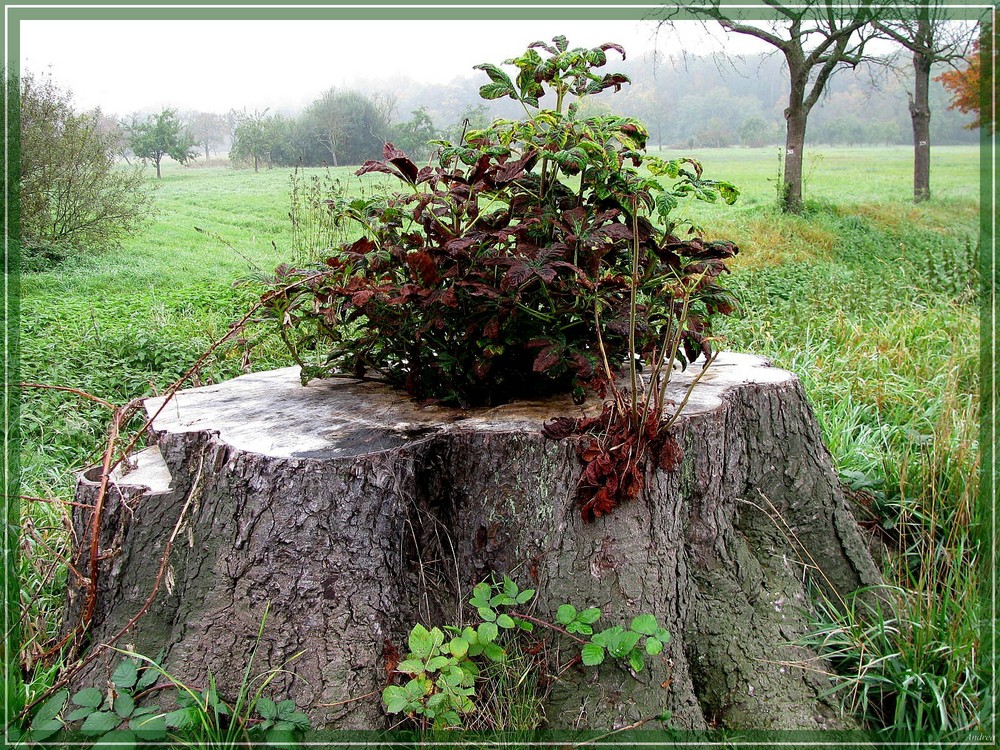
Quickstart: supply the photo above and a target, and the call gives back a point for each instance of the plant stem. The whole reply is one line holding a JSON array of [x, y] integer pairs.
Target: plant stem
[[550, 626], [604, 356], [632, 313]]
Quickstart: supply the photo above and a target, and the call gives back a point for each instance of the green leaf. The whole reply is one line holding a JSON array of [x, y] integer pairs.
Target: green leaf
[[420, 642], [496, 75], [182, 718], [525, 596], [662, 635], [437, 662], [622, 643], [592, 654], [452, 680], [459, 647], [395, 699], [505, 621], [410, 666], [49, 710], [90, 697], [589, 616], [494, 652], [605, 637], [118, 739], [267, 708], [281, 737], [487, 632], [653, 647], [487, 614], [416, 688], [509, 587], [43, 730], [147, 677], [149, 727], [100, 722], [730, 193], [299, 720], [81, 713], [496, 91], [644, 624], [124, 705], [566, 614], [480, 595], [636, 660], [125, 675]]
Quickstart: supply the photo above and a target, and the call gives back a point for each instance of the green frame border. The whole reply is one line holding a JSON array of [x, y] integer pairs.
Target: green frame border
[[14, 13]]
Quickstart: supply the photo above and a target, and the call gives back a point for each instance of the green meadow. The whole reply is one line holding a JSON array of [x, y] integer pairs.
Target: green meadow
[[873, 302]]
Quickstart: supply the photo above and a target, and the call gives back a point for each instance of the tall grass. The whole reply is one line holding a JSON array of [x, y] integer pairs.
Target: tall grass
[[882, 326], [869, 299]]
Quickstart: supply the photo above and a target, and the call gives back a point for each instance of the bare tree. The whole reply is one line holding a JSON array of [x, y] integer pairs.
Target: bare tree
[[930, 37], [816, 38]]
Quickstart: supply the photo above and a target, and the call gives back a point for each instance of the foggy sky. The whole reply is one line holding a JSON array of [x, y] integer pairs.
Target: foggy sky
[[215, 66]]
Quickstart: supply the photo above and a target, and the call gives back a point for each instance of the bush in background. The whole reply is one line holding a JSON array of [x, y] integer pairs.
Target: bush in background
[[75, 195]]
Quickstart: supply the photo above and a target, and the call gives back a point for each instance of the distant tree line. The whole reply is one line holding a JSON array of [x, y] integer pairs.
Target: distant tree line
[[338, 128]]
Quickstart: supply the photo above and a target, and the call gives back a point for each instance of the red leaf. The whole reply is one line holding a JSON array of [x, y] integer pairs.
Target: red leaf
[[423, 267], [546, 359], [362, 246], [670, 454], [559, 428], [516, 276], [360, 299]]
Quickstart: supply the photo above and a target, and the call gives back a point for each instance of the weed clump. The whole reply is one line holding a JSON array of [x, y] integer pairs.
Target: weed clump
[[532, 258]]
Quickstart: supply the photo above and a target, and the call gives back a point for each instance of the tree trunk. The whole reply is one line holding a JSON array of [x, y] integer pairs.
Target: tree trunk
[[158, 166], [356, 514], [920, 116], [795, 139]]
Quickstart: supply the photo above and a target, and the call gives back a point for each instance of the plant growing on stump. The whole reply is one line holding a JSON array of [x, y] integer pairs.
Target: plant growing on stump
[[441, 681], [536, 256]]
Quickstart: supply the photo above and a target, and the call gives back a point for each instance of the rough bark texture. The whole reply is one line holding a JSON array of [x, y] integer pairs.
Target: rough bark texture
[[920, 117], [795, 132], [356, 514]]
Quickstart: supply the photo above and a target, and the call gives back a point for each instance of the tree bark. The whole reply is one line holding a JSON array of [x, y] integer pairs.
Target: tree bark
[[795, 134], [920, 116], [356, 514]]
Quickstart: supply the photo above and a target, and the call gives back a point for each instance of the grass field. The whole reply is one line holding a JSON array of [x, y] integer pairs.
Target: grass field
[[870, 300]]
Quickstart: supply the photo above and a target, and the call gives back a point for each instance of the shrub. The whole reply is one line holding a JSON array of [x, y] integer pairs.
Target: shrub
[[531, 259], [74, 195]]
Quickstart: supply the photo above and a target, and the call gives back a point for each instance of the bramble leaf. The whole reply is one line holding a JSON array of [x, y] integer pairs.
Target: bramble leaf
[[420, 641], [90, 697], [592, 654], [566, 614], [487, 632], [50, 709], [100, 722], [125, 675], [644, 624]]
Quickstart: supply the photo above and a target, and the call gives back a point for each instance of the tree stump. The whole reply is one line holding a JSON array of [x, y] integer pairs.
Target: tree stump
[[356, 513]]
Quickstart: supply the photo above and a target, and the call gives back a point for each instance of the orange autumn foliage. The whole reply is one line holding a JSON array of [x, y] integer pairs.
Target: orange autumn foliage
[[973, 89]]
